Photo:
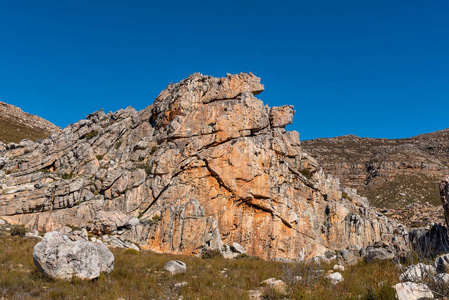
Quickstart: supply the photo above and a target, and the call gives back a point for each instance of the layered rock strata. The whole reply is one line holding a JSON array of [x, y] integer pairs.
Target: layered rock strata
[[207, 164]]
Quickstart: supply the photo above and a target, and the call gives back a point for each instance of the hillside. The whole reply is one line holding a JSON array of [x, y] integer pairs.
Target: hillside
[[391, 173], [16, 125]]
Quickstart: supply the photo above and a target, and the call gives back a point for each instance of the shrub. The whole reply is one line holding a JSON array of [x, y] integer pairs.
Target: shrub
[[67, 176], [147, 167], [99, 157], [131, 251], [346, 196], [306, 172], [18, 230], [211, 254], [91, 135], [118, 144]]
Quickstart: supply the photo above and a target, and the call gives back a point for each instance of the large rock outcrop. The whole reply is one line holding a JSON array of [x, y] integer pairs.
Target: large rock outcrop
[[207, 164]]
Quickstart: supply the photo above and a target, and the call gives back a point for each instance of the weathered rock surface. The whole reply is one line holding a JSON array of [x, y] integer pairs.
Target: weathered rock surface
[[418, 273], [58, 256], [412, 291], [335, 278], [276, 284], [390, 172], [175, 267], [207, 165]]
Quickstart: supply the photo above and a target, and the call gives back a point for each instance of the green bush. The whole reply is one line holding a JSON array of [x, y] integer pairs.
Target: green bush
[[306, 172], [91, 135], [18, 230], [131, 251], [147, 167], [118, 144], [211, 254]]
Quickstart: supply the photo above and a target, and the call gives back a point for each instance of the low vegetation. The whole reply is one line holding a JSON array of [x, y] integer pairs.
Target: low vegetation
[[141, 275], [11, 131]]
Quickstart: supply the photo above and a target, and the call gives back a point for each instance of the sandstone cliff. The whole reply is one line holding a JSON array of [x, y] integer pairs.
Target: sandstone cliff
[[391, 173], [207, 164], [16, 125]]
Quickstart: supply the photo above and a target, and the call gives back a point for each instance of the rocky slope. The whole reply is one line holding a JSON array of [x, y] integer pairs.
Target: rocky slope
[[390, 172], [16, 125], [207, 164]]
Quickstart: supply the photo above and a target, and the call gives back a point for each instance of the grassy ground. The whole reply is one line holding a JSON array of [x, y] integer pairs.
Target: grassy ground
[[11, 131], [142, 276]]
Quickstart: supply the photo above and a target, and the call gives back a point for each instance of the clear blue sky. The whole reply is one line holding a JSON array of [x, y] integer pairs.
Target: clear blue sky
[[370, 68]]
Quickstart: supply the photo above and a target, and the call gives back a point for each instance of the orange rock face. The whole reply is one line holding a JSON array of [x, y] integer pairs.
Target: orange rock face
[[207, 164]]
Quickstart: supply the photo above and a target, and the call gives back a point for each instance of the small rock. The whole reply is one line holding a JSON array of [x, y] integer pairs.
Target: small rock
[[32, 234], [277, 285], [339, 268], [2, 222], [412, 291], [417, 273], [442, 263], [180, 284], [175, 267], [255, 294], [236, 247], [335, 277]]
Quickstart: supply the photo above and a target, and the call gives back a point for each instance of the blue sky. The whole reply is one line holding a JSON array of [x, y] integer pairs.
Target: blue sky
[[370, 68]]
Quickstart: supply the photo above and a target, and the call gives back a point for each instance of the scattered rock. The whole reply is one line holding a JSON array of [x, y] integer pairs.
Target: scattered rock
[[335, 278], [32, 234], [275, 284], [442, 263], [417, 273], [57, 256], [378, 254], [412, 291], [339, 268], [255, 294], [175, 267], [181, 284]]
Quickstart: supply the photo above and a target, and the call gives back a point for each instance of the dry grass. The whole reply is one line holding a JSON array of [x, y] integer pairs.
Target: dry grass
[[142, 276], [11, 131]]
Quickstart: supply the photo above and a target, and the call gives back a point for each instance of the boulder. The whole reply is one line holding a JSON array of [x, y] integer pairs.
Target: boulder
[[378, 254], [418, 273], [57, 256], [2, 222], [412, 291], [175, 267], [442, 263]]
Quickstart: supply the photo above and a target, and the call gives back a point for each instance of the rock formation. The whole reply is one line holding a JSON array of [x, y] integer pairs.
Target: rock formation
[[391, 173], [16, 125], [207, 164]]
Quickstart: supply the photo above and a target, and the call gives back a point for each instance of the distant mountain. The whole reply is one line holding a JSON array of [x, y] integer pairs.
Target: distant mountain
[[16, 125], [390, 172]]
